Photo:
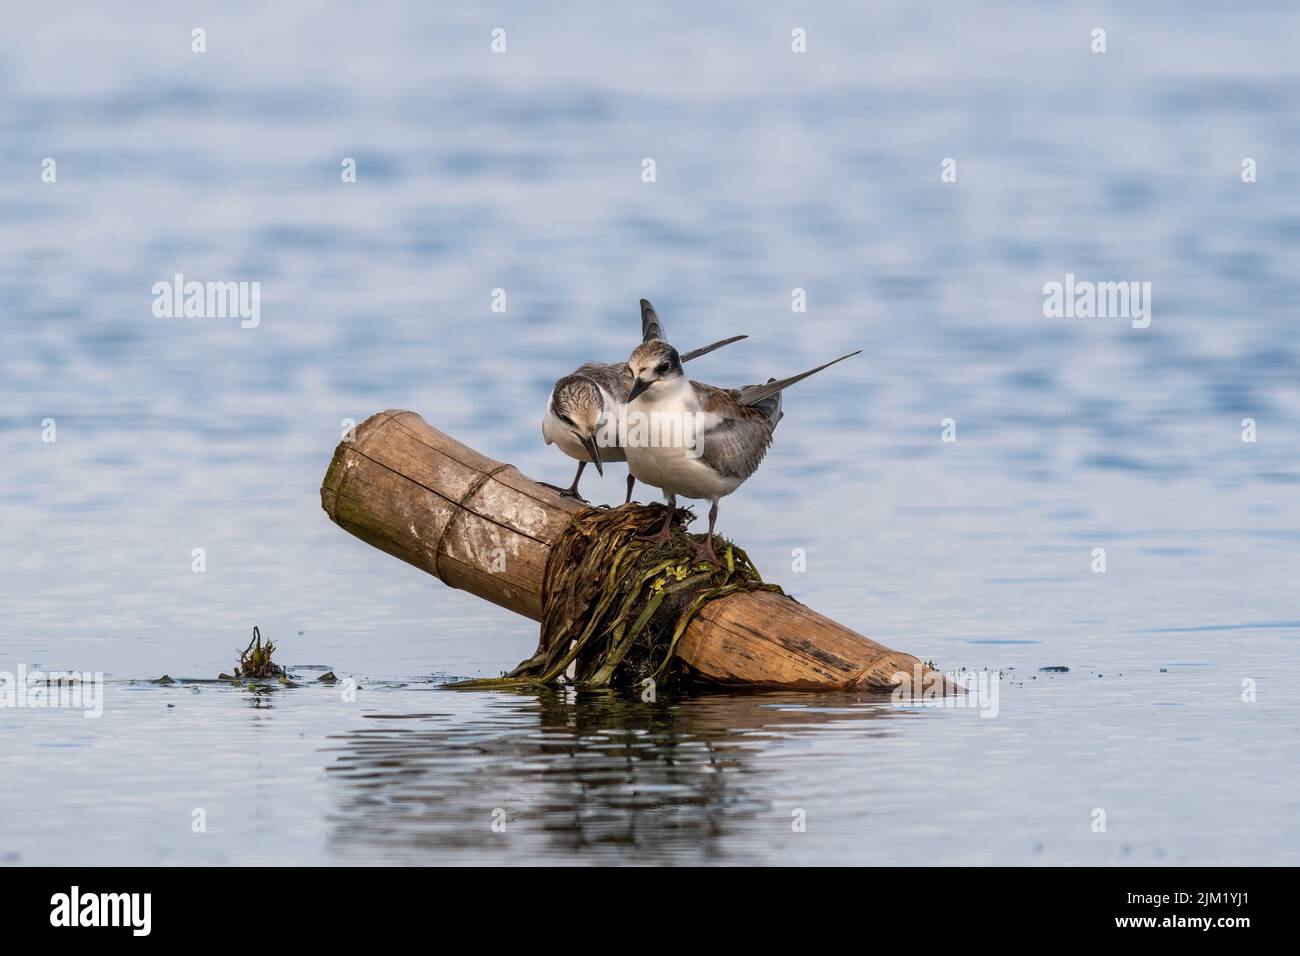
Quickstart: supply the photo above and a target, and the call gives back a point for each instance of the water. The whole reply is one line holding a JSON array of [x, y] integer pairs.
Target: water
[[775, 171]]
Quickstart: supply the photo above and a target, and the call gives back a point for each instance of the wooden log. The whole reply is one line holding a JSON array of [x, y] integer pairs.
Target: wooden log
[[481, 526]]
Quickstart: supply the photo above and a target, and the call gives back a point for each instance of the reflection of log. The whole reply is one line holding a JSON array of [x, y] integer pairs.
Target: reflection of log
[[481, 526]]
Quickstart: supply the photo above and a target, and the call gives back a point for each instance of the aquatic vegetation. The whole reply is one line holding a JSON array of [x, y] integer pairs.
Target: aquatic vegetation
[[255, 660], [616, 606]]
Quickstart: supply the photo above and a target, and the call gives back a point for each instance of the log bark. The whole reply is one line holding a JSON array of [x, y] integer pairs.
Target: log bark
[[482, 526]]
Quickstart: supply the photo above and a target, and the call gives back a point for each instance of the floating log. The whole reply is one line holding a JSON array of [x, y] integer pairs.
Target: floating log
[[482, 526]]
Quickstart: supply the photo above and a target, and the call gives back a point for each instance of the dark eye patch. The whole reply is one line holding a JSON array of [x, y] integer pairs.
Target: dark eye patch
[[663, 367]]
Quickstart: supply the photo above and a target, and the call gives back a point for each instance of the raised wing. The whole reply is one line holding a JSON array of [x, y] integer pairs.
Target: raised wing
[[651, 327], [753, 394], [705, 350]]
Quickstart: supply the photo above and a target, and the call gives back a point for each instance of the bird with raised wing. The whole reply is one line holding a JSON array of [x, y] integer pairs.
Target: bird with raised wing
[[582, 413], [695, 440]]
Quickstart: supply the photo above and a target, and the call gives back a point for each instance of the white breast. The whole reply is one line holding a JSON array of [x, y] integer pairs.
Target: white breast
[[670, 470], [671, 466]]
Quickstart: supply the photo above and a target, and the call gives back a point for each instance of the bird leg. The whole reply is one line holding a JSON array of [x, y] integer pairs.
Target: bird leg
[[572, 490], [630, 482], [664, 533], [705, 552]]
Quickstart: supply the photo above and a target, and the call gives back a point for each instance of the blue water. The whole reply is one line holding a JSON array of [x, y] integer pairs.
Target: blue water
[[774, 171]]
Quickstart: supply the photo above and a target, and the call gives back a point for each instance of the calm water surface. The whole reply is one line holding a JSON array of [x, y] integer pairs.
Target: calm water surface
[[775, 171]]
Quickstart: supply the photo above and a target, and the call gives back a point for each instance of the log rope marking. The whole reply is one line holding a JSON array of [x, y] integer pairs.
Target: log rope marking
[[461, 508]]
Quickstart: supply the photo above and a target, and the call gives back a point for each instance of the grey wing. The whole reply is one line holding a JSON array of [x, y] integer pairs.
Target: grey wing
[[696, 353], [651, 327], [614, 378], [735, 446], [753, 394]]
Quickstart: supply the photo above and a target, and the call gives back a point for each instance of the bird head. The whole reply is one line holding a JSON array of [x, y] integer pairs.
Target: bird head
[[579, 406], [651, 363]]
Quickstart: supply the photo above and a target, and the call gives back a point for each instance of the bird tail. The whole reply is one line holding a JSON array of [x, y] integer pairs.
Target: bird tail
[[754, 394], [651, 327], [705, 350]]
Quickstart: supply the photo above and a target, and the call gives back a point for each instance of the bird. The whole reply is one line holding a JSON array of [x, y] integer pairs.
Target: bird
[[721, 434], [582, 411]]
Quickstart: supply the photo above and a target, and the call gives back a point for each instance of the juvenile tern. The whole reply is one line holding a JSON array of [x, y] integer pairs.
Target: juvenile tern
[[719, 435]]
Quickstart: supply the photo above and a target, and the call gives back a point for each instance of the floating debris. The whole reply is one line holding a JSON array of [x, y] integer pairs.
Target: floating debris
[[255, 661], [1054, 669], [165, 680], [328, 677]]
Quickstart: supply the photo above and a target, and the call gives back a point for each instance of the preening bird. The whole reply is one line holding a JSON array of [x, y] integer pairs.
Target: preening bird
[[716, 436], [583, 410]]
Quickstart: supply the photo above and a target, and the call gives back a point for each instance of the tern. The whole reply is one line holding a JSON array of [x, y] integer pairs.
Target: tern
[[719, 435], [584, 403]]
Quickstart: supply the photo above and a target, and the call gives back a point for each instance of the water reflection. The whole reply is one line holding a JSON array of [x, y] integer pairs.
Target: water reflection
[[591, 776]]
